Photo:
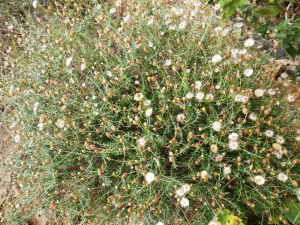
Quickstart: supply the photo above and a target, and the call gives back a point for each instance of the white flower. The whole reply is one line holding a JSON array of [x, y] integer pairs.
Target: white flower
[[216, 59], [112, 11], [271, 91], [147, 102], [184, 202], [253, 116], [259, 92], [227, 170], [214, 222], [179, 192], [284, 75], [269, 133], [182, 25], [68, 62], [297, 138], [245, 99], [60, 123], [160, 223], [204, 175], [216, 126], [109, 73], [248, 72], [234, 52], [34, 4], [259, 180], [278, 154], [138, 96], [218, 29], [150, 177], [249, 43], [219, 158], [280, 140], [150, 21], [198, 84], [238, 98], [168, 62], [180, 117], [142, 142], [225, 32], [282, 177], [148, 112], [118, 3], [290, 98], [83, 66], [233, 137], [199, 96], [186, 188], [209, 97], [17, 138], [189, 95], [233, 145], [40, 126]]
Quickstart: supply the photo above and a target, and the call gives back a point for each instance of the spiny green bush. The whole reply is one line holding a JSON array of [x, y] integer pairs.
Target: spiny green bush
[[150, 111]]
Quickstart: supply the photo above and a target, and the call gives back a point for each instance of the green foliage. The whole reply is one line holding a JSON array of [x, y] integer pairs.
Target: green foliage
[[289, 34], [268, 11], [225, 217], [293, 215], [288, 30], [229, 6]]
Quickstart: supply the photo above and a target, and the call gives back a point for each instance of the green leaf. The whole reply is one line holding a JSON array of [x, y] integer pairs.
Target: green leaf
[[269, 11], [284, 23], [291, 50], [225, 2], [237, 3], [297, 36], [275, 10], [293, 215], [281, 35], [226, 218], [228, 11], [262, 12]]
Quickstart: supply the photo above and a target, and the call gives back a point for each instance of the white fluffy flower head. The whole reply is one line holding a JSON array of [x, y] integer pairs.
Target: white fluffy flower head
[[259, 180], [150, 177], [138, 96], [282, 177], [184, 202], [216, 126], [148, 112], [216, 59], [249, 43], [248, 72]]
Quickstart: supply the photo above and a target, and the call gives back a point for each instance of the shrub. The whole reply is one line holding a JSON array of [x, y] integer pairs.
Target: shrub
[[146, 111]]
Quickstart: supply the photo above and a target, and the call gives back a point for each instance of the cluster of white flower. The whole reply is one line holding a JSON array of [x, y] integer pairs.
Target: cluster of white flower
[[180, 192], [241, 98], [233, 143]]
